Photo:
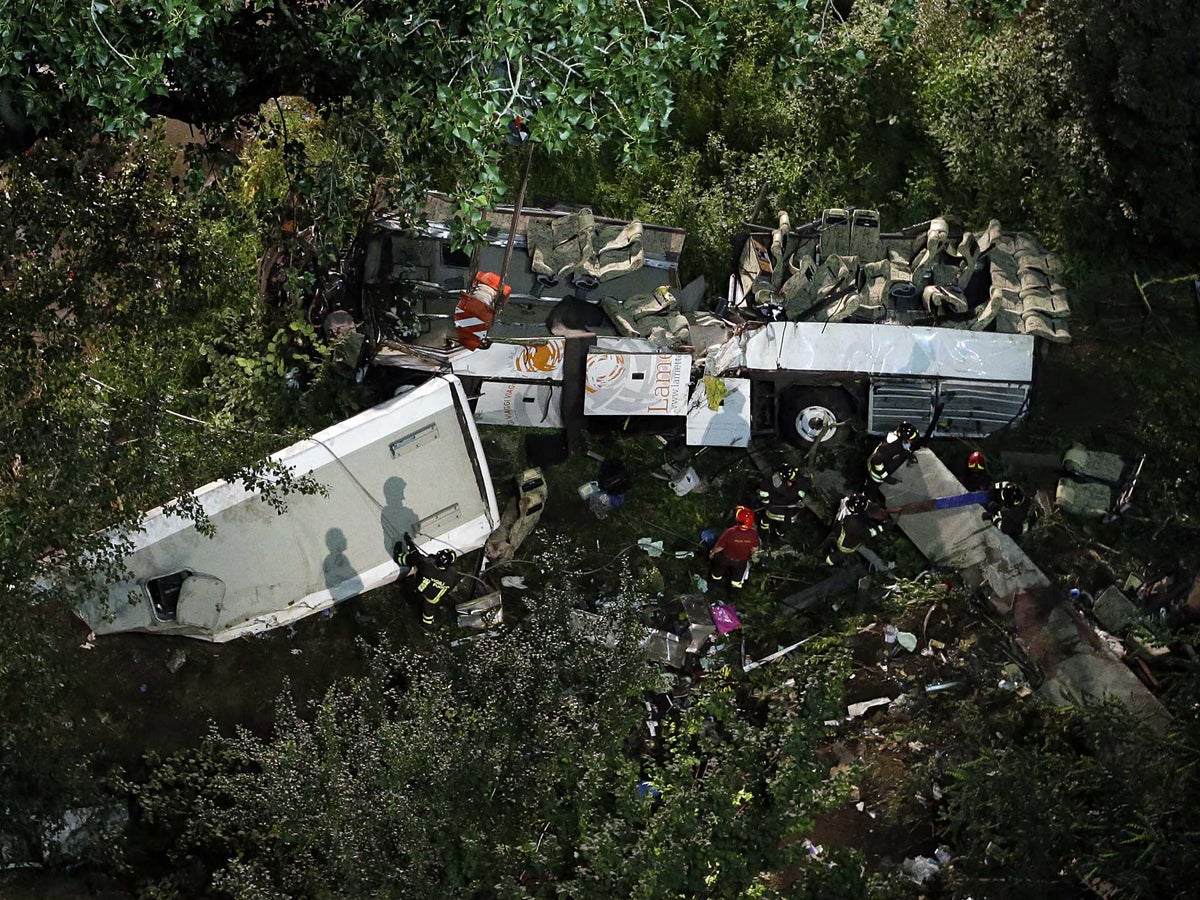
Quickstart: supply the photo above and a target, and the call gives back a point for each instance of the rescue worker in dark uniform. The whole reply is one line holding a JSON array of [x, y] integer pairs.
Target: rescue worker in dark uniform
[[858, 521], [781, 497], [976, 477], [1008, 509], [434, 574], [892, 452], [730, 555]]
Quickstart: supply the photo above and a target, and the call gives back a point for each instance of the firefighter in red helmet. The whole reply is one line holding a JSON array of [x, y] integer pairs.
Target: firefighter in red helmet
[[730, 555]]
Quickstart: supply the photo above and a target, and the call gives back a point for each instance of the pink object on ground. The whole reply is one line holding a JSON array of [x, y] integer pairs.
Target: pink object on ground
[[725, 617]]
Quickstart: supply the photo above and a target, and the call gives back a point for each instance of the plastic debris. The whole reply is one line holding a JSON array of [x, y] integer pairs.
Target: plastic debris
[[921, 869], [646, 789], [813, 850], [1112, 642], [701, 584], [1010, 677], [907, 640], [514, 581], [144, 688], [684, 554], [942, 855], [889, 634], [652, 548], [725, 618], [296, 651], [175, 663], [685, 482], [854, 710], [943, 686]]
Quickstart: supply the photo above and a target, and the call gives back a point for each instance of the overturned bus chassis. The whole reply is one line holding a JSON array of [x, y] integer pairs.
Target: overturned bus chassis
[[824, 325]]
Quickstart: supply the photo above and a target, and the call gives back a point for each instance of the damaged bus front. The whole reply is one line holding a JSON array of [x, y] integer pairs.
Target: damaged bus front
[[412, 465]]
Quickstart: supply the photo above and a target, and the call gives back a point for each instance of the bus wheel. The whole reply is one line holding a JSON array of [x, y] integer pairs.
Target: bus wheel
[[809, 414]]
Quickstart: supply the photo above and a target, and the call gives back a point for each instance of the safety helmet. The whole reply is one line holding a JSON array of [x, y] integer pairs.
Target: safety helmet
[[856, 504], [744, 517], [443, 559], [975, 461], [906, 431], [1011, 494]]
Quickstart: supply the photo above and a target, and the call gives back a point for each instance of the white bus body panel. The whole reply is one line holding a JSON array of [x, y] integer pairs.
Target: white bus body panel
[[413, 462]]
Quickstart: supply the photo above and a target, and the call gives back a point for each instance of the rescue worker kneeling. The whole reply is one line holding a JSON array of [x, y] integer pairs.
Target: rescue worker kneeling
[[1008, 509], [435, 575], [781, 496], [858, 523], [731, 553], [892, 451]]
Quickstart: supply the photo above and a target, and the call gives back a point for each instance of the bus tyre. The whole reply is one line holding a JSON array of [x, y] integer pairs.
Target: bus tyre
[[804, 413]]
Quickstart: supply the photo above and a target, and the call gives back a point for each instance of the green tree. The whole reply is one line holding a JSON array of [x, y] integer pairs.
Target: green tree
[[125, 305], [1132, 74], [441, 80], [507, 768]]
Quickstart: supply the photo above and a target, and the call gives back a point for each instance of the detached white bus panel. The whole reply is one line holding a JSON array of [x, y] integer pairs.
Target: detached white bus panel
[[412, 464]]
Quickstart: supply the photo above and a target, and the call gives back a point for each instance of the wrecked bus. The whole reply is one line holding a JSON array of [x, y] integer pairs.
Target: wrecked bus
[[826, 327], [412, 464]]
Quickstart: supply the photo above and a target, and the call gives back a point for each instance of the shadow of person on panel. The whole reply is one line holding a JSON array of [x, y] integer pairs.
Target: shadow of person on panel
[[396, 519], [340, 574]]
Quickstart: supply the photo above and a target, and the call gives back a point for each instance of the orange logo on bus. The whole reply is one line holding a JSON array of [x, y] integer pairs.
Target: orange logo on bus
[[540, 358], [603, 369]]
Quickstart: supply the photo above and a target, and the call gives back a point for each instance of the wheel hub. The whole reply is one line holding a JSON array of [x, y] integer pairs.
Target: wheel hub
[[810, 421]]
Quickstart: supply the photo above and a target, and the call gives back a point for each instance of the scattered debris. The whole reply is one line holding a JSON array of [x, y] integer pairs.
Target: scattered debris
[[653, 548], [920, 869], [482, 612], [942, 686], [517, 582], [521, 517], [841, 581], [685, 481], [749, 666], [1113, 609], [854, 710], [725, 618], [1012, 678], [175, 663]]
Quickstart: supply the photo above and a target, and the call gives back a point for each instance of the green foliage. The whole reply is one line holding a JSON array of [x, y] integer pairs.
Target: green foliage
[[1131, 73], [116, 289], [1169, 430], [431, 81], [1092, 795], [508, 767]]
